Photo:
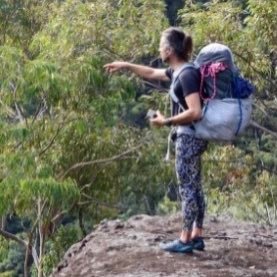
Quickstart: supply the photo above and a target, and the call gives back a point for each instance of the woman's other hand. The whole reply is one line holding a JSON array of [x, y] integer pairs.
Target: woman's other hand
[[158, 120]]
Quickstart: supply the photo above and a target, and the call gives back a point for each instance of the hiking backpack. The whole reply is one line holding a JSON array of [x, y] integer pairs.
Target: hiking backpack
[[226, 95]]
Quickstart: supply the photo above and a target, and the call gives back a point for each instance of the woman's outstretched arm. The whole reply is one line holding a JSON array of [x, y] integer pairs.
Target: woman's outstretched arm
[[140, 70]]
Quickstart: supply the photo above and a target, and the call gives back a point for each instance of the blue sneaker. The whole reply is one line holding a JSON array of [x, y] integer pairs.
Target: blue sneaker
[[177, 246], [198, 244]]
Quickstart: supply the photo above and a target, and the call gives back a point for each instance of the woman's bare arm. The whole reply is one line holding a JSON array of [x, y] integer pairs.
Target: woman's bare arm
[[193, 113], [140, 70]]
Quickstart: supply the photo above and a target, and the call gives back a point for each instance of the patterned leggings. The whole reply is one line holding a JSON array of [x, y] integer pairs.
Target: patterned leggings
[[188, 170]]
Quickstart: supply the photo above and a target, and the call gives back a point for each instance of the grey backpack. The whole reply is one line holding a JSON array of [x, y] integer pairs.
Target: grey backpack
[[226, 96]]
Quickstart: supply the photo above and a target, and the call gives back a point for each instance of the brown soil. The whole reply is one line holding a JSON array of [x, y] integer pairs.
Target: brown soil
[[131, 249]]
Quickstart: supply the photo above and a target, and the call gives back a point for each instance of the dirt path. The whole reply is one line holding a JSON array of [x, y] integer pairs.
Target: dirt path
[[131, 249]]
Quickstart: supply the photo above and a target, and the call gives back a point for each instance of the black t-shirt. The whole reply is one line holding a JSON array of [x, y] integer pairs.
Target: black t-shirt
[[187, 83]]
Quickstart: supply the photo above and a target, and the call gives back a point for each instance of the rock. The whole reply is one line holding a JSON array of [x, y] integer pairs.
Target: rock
[[131, 249]]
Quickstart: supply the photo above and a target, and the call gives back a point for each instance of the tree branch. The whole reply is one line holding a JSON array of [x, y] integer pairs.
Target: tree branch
[[19, 113], [93, 200], [264, 129], [10, 236], [251, 66], [38, 217], [37, 112], [27, 255], [105, 160], [58, 216], [50, 143], [62, 124]]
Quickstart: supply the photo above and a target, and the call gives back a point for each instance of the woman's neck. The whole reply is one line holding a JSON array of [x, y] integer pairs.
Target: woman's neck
[[177, 64]]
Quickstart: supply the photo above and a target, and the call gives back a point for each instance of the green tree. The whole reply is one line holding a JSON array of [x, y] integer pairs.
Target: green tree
[[62, 116]]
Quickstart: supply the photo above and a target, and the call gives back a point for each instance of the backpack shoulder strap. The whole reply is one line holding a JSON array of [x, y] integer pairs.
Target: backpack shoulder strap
[[178, 73], [174, 79]]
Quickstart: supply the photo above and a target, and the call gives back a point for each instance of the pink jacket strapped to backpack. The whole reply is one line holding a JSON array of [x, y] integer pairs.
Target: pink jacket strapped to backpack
[[207, 70]]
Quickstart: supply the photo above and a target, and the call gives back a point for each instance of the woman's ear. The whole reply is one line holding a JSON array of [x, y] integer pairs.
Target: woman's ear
[[168, 51]]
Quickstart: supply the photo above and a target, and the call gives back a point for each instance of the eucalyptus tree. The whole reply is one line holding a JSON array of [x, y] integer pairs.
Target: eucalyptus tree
[[62, 116]]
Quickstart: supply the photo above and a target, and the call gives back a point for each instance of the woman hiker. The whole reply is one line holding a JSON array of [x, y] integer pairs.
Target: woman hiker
[[175, 49]]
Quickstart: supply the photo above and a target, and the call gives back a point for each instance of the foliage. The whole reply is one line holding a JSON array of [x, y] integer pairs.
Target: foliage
[[4, 247], [62, 116], [12, 262], [79, 28]]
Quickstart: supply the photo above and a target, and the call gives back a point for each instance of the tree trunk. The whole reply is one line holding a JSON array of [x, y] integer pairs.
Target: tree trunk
[[41, 239], [3, 223], [81, 223], [28, 256]]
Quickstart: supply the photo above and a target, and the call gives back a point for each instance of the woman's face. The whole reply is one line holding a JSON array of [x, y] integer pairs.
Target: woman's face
[[164, 49]]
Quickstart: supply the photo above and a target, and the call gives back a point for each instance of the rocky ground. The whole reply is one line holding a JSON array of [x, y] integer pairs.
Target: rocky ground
[[131, 249]]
